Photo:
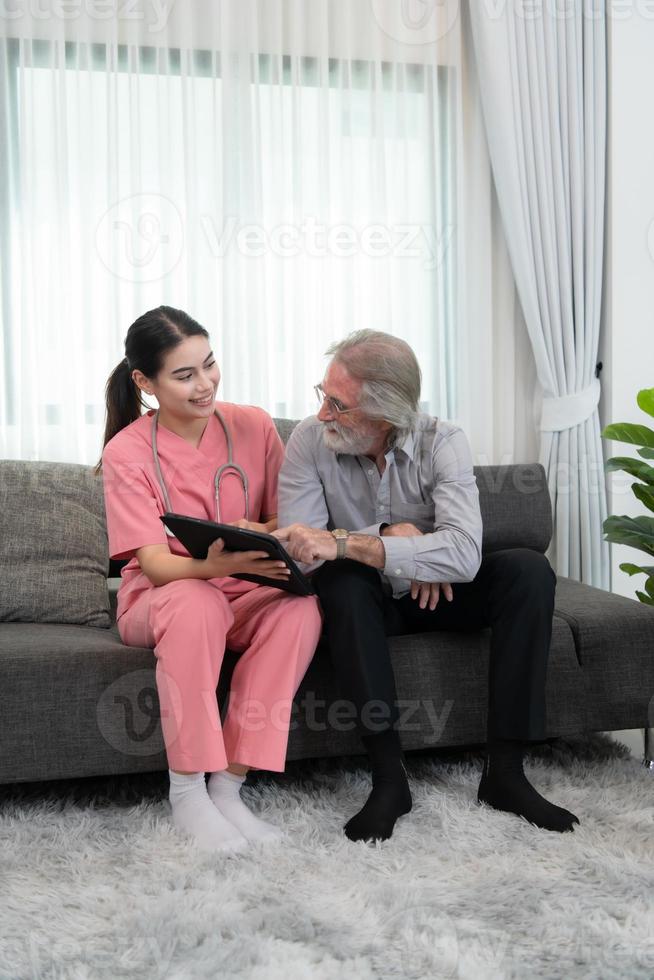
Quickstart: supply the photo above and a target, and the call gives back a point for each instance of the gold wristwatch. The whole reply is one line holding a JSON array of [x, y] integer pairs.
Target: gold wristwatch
[[341, 536]]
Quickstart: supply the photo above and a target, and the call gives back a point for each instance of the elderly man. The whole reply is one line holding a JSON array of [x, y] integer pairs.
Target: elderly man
[[386, 514]]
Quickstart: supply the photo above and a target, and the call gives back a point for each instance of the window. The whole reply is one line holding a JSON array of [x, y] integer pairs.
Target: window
[[282, 202]]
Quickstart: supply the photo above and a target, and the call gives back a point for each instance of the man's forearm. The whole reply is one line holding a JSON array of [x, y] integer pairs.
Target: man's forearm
[[310, 544], [366, 549]]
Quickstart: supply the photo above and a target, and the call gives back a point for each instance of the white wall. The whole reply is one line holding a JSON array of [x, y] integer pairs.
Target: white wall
[[627, 344], [627, 347]]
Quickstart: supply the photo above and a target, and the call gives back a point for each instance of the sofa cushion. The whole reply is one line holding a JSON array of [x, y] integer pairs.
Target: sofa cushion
[[53, 544], [77, 702], [515, 505]]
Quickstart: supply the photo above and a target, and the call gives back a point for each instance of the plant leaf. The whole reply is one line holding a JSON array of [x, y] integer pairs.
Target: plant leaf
[[649, 587], [639, 435], [633, 466], [632, 569], [636, 532], [646, 453], [645, 598], [645, 399], [645, 494], [645, 523]]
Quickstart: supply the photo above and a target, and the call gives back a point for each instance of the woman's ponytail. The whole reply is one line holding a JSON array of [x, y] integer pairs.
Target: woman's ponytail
[[123, 402]]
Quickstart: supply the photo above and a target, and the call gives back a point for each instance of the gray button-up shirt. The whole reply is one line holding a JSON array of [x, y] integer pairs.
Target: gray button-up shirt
[[428, 480]]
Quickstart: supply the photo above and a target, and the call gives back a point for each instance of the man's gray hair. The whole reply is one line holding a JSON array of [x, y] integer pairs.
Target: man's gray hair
[[390, 376]]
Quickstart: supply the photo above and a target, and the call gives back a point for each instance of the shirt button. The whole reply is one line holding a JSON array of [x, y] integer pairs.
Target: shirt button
[[398, 571], [370, 472]]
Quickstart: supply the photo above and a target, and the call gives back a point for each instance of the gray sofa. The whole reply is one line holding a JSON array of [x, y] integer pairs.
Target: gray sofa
[[77, 702]]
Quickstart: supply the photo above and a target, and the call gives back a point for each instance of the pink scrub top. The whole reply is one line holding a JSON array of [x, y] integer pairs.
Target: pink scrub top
[[134, 499]]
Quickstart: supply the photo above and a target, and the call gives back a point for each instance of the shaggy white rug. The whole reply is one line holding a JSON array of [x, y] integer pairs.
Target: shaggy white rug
[[95, 882]]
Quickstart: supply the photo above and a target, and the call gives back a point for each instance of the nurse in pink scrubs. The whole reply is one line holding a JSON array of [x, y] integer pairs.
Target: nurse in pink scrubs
[[188, 610]]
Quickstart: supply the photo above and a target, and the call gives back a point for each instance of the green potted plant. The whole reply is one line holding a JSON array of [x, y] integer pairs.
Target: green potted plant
[[637, 532]]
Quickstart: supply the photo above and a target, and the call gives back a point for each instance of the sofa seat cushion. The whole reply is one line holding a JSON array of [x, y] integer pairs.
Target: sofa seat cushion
[[614, 641], [76, 702], [53, 544]]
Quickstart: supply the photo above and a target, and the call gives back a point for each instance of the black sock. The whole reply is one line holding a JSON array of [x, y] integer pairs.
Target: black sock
[[390, 797], [504, 786]]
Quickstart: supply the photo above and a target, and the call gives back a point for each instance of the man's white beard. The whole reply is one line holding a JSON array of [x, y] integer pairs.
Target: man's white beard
[[347, 440]]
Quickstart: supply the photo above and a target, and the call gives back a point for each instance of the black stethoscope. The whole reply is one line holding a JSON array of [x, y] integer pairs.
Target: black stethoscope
[[220, 472]]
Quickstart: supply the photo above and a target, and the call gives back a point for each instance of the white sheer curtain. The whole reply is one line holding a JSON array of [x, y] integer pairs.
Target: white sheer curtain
[[544, 87], [284, 170]]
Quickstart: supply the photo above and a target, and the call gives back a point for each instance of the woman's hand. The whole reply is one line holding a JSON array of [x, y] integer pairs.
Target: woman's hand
[[220, 563], [249, 525]]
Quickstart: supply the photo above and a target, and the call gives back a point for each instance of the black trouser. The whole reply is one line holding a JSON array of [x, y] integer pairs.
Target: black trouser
[[512, 593]]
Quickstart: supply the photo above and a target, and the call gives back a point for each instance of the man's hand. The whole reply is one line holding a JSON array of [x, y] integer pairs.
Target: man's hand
[[403, 530], [307, 544], [427, 593]]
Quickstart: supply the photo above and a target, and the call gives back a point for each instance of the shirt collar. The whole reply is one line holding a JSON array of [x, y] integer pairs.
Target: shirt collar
[[407, 446]]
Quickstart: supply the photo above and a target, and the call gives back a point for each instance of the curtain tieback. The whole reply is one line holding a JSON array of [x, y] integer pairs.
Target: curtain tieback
[[565, 411]]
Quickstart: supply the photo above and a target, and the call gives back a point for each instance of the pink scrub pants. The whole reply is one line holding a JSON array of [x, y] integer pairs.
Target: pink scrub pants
[[189, 622]]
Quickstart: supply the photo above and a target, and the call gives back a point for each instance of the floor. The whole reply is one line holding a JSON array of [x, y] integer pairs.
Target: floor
[[633, 738]]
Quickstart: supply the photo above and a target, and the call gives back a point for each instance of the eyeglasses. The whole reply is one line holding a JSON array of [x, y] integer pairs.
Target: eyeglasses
[[333, 404]]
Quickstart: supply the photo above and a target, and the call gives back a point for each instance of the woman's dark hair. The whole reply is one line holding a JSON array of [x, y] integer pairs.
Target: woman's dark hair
[[148, 340]]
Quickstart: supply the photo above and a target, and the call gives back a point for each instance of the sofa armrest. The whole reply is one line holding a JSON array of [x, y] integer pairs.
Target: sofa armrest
[[605, 620]]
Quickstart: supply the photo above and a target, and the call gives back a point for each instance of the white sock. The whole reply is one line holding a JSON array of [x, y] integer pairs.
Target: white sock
[[224, 789], [195, 814]]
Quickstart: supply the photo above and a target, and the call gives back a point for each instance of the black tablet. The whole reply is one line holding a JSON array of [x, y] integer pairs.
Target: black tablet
[[196, 535]]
